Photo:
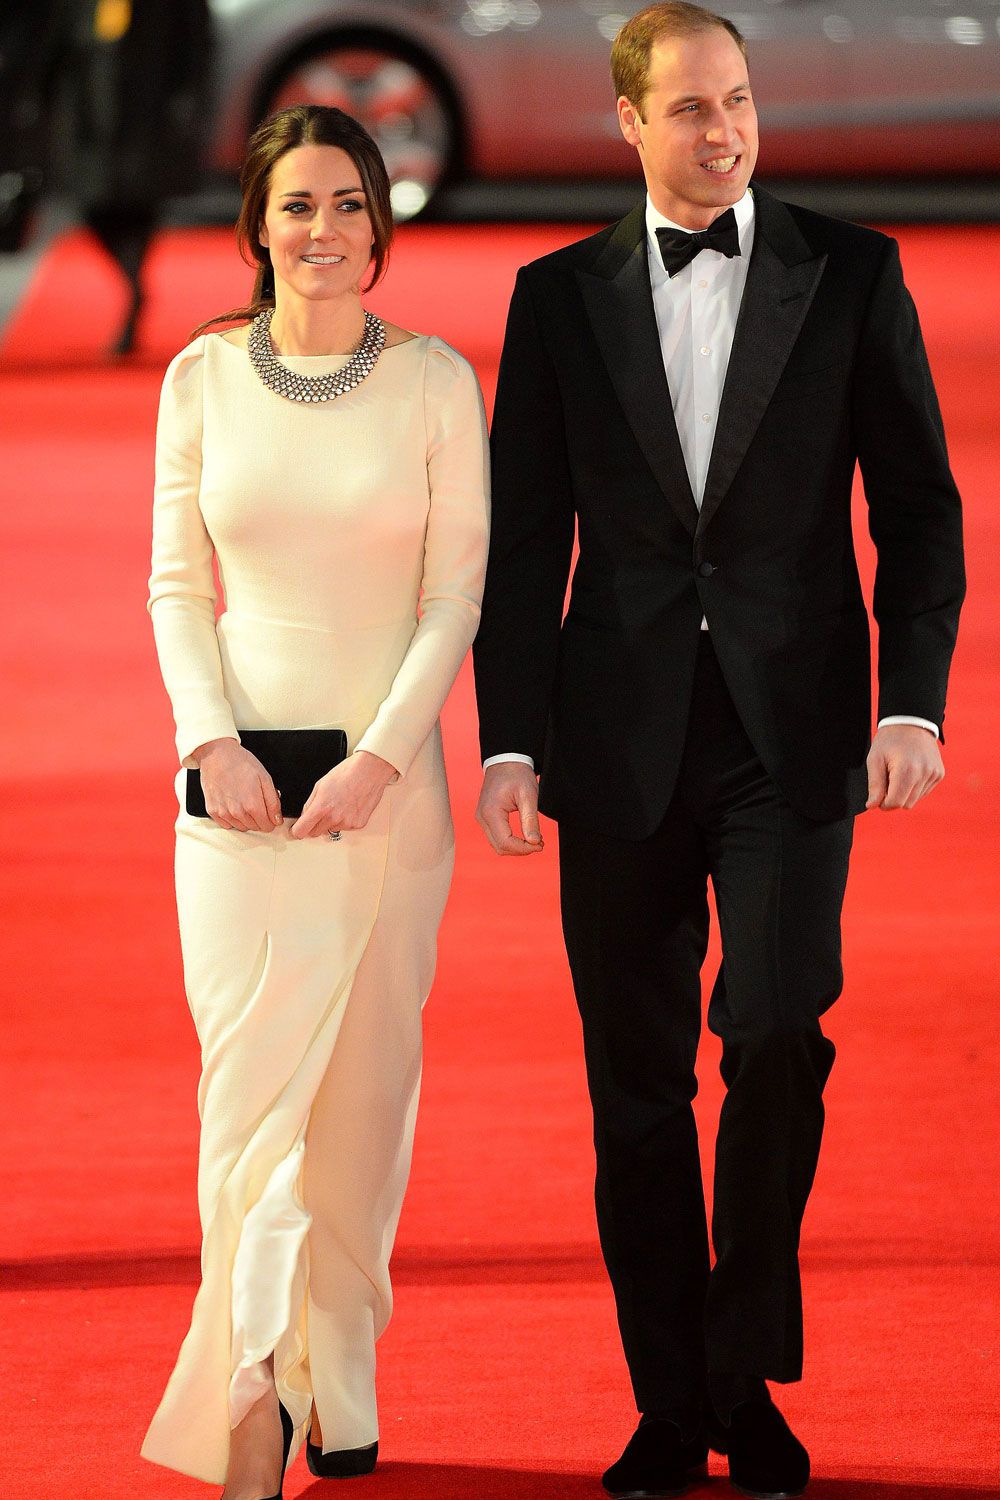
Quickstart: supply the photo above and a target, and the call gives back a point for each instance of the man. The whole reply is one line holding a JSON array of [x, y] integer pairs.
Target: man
[[692, 387], [138, 80]]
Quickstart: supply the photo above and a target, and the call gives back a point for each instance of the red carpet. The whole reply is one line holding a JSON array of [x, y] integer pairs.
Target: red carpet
[[501, 1374]]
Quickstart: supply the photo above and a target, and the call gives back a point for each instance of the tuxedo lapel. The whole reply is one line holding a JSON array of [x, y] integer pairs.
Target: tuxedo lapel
[[781, 282], [619, 303]]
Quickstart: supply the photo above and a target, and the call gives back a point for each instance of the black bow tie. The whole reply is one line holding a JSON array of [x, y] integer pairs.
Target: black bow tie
[[678, 248]]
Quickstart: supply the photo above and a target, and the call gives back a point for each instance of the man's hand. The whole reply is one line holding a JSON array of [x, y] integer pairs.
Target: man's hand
[[509, 787], [904, 764]]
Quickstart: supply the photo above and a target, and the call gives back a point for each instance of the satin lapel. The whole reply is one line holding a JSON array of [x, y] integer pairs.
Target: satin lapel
[[619, 303], [781, 282]]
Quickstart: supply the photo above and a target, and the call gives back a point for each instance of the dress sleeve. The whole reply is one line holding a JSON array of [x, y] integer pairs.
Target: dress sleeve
[[455, 550], [182, 592]]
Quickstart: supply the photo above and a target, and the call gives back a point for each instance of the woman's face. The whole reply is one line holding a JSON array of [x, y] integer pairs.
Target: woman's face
[[316, 223]]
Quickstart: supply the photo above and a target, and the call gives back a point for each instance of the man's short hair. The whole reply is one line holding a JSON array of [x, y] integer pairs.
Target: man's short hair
[[633, 46]]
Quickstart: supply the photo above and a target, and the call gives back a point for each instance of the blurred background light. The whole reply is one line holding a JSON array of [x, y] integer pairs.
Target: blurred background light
[[966, 30], [408, 197], [838, 29]]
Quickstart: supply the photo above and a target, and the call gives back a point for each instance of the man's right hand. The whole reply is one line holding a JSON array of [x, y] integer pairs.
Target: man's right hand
[[239, 794], [509, 787]]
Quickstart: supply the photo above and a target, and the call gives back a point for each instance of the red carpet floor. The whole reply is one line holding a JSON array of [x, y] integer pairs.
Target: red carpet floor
[[501, 1374]]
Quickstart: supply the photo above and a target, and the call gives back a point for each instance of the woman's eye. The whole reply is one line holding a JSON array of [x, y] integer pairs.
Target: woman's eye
[[291, 207], [351, 205]]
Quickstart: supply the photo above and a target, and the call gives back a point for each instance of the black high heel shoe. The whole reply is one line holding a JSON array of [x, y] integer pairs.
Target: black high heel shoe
[[342, 1463], [286, 1442]]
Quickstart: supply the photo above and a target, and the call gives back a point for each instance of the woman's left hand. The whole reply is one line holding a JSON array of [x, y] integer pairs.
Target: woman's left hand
[[345, 797]]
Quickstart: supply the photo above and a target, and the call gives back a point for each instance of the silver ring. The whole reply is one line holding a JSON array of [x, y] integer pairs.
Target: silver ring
[[334, 836]]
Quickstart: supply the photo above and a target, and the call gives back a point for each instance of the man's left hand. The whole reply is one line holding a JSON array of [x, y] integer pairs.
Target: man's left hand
[[904, 764]]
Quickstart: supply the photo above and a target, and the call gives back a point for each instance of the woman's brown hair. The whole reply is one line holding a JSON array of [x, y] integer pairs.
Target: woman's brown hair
[[630, 52], [303, 125]]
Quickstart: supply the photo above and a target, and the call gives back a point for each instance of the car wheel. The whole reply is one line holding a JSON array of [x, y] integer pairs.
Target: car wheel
[[398, 101]]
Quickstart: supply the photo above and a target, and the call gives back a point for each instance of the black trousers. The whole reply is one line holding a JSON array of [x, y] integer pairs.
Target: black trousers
[[635, 919]]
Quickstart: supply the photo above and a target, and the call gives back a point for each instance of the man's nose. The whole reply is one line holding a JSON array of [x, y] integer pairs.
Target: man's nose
[[721, 130]]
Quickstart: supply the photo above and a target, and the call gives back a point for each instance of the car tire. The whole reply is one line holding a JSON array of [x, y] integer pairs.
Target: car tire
[[400, 96]]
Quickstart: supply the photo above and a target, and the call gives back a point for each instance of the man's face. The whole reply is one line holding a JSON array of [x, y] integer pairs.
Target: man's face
[[698, 140]]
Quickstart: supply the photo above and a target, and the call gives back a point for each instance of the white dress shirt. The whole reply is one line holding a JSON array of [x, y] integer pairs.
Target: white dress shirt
[[696, 312]]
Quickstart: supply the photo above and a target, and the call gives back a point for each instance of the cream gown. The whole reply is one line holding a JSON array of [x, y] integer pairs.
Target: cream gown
[[306, 963]]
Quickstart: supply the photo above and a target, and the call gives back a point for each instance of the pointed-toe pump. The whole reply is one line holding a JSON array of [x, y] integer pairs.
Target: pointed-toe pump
[[342, 1463]]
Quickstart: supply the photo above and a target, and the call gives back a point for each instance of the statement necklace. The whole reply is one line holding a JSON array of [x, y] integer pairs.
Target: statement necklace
[[278, 377]]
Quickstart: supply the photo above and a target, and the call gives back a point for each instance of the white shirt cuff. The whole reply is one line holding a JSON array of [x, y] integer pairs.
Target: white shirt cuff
[[907, 719], [497, 760]]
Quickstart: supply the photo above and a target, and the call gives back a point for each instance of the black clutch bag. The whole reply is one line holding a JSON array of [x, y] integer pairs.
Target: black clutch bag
[[295, 759]]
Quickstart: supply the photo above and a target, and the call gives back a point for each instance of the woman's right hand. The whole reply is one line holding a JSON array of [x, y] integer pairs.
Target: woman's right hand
[[239, 793]]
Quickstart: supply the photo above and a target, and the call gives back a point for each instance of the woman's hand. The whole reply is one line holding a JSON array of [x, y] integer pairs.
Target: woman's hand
[[239, 794], [345, 797]]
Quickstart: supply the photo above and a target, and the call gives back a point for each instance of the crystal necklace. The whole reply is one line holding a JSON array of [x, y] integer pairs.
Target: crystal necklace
[[294, 387]]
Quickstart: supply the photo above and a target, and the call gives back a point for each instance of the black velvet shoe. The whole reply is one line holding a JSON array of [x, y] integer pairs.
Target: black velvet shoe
[[766, 1459], [286, 1442], [657, 1462], [342, 1463]]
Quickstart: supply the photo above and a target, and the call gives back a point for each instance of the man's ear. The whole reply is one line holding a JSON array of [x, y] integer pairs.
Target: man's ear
[[629, 120]]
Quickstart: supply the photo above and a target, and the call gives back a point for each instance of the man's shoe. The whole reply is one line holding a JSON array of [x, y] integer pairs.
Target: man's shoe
[[657, 1462], [766, 1459]]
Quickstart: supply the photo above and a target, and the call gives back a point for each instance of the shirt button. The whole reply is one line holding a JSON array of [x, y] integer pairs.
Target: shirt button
[[705, 349], [703, 283], [705, 417]]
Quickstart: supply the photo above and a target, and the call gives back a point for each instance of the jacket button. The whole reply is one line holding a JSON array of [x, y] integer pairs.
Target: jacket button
[[706, 569]]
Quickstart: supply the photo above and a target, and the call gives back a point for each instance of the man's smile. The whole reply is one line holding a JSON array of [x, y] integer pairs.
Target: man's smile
[[722, 166]]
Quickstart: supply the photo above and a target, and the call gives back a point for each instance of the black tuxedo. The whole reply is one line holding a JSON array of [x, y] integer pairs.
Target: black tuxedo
[[827, 368], [671, 756]]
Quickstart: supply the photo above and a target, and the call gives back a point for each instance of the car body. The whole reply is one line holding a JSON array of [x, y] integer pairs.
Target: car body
[[521, 88]]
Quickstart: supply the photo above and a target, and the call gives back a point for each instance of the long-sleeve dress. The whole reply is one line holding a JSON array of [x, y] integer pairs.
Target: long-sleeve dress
[[350, 539]]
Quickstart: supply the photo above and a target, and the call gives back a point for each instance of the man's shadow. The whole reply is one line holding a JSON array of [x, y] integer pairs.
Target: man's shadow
[[409, 1481]]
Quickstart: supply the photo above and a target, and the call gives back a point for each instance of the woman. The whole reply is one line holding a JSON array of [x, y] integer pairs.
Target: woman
[[336, 468]]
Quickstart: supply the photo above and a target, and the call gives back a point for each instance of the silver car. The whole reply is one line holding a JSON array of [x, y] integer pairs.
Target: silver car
[[506, 89]]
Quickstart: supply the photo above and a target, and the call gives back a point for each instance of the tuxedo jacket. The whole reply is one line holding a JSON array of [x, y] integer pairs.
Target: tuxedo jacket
[[827, 370]]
